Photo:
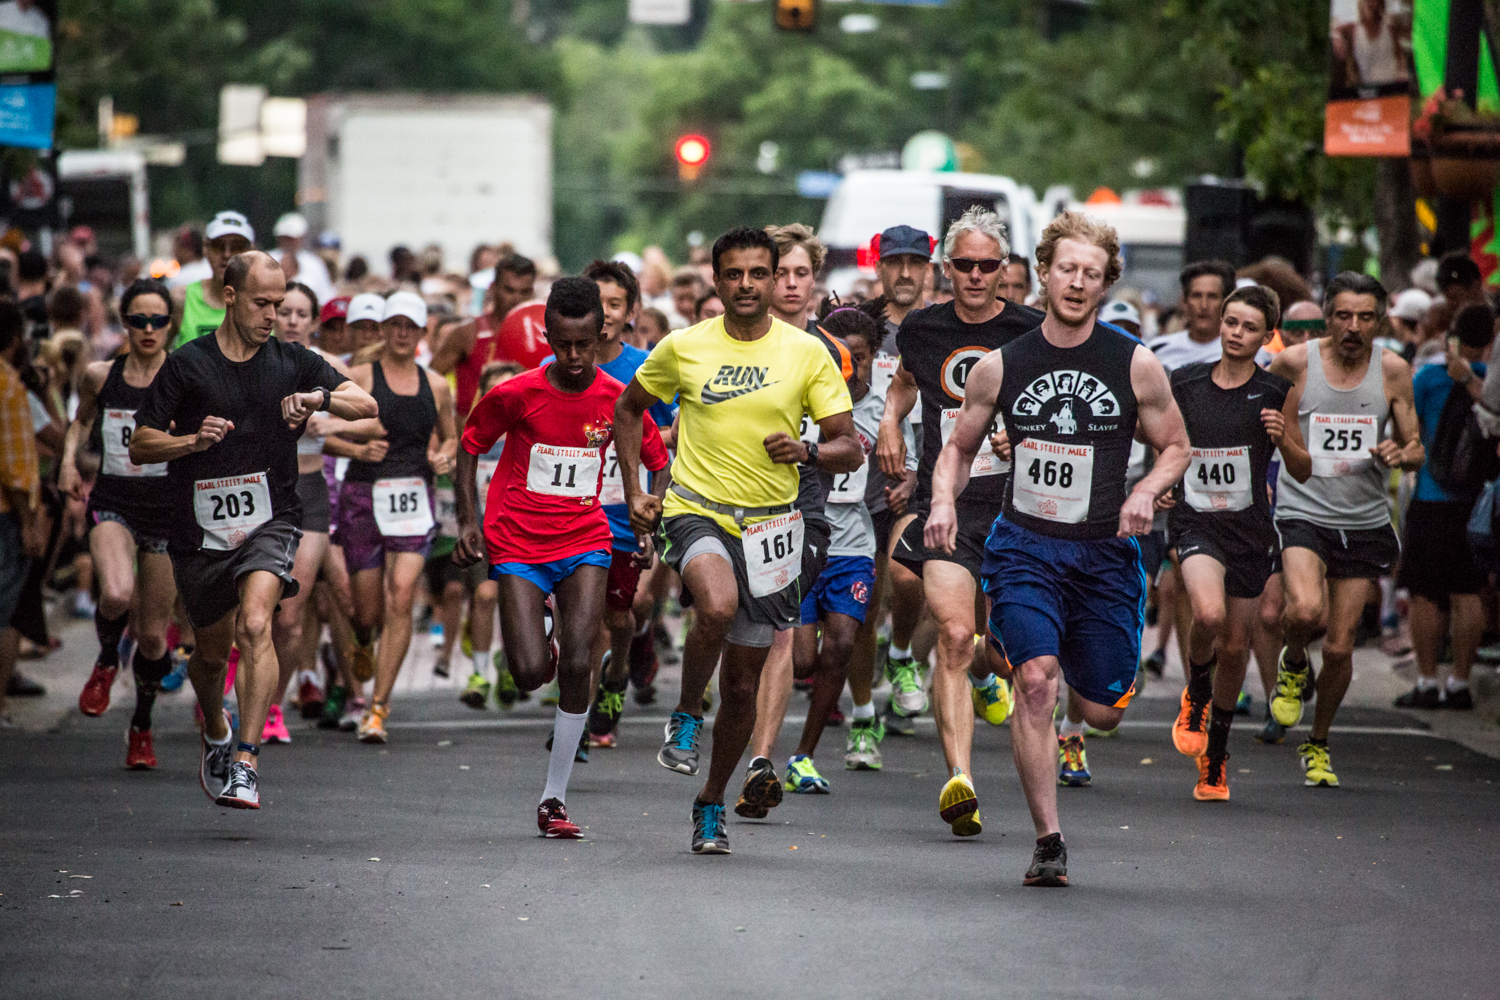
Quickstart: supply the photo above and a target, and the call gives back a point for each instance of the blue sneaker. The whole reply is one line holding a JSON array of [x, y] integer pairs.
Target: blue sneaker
[[679, 751], [802, 778], [177, 676], [709, 836], [1073, 763]]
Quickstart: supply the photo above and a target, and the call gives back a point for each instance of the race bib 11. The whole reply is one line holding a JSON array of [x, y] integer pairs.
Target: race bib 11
[[564, 472], [1218, 479], [1053, 481], [229, 509], [1340, 443]]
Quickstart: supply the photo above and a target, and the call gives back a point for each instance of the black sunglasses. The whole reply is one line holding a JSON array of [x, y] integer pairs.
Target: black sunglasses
[[142, 320], [963, 265]]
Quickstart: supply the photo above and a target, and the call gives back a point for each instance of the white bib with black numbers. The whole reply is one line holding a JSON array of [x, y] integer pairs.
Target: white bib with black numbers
[[401, 507], [1053, 481], [563, 472], [613, 490], [229, 509], [1340, 443], [849, 487], [484, 471], [986, 462], [773, 552], [1218, 479], [117, 427]]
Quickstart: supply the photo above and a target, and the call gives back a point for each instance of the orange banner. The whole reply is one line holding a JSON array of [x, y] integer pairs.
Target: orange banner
[[1378, 126]]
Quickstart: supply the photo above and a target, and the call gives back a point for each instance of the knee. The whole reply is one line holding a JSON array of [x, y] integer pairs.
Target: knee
[[1035, 681], [619, 623], [254, 627], [715, 614], [114, 597], [1337, 648], [956, 636], [1301, 615], [1209, 619], [740, 687]]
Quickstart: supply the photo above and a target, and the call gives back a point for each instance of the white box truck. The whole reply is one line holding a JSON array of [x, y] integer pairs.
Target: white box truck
[[383, 170]]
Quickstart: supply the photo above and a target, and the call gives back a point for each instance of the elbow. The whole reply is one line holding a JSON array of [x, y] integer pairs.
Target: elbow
[[365, 408]]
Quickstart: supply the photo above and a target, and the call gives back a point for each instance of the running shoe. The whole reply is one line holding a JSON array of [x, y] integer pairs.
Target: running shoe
[[362, 664], [1244, 703], [1189, 732], [802, 778], [862, 752], [679, 751], [907, 695], [1286, 704], [581, 752], [959, 806], [213, 765], [835, 718], [1103, 734], [435, 638], [310, 696], [94, 698], [1213, 780], [551, 693], [1156, 662], [709, 834], [1420, 697], [506, 691], [1049, 863], [762, 791], [354, 711], [605, 742], [604, 713], [1317, 766], [552, 820], [177, 676], [477, 693], [897, 724], [372, 726], [1073, 763], [991, 699], [440, 667], [275, 730], [1272, 732], [1461, 700], [242, 789], [139, 753], [333, 707]]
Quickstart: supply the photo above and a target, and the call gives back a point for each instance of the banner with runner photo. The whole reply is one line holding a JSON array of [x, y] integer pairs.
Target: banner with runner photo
[[1369, 79]]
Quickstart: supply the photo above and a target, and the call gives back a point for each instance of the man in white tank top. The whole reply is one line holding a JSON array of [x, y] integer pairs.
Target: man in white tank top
[[1337, 526]]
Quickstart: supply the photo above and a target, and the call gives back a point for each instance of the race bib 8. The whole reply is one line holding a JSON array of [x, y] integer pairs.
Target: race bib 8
[[1053, 481], [401, 507], [613, 490], [484, 471], [229, 509], [1340, 443], [447, 512], [849, 487], [773, 552], [985, 462], [117, 427], [564, 472], [1218, 479]]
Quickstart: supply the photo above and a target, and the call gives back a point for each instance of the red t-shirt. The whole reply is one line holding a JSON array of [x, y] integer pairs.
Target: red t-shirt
[[466, 373], [543, 504]]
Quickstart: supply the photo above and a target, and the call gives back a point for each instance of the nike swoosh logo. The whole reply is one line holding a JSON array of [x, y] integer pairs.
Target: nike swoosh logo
[[1256, 396], [1364, 404], [711, 396]]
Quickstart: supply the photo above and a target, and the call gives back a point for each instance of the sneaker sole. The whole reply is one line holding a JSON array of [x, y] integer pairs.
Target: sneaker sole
[[1211, 796], [861, 765], [562, 835], [688, 769], [373, 738], [760, 800], [809, 788], [1320, 782], [1046, 881], [1075, 782], [231, 803], [713, 847], [474, 699]]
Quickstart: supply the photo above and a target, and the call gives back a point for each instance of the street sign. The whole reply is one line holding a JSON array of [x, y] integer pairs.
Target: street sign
[[817, 183]]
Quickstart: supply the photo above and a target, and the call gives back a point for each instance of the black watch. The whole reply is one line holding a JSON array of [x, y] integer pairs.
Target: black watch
[[327, 397], [812, 452]]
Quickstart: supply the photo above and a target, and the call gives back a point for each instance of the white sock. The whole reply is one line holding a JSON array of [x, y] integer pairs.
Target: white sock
[[481, 661], [980, 682], [903, 653], [1426, 683], [865, 711], [567, 729], [1067, 728], [1454, 684], [218, 743]]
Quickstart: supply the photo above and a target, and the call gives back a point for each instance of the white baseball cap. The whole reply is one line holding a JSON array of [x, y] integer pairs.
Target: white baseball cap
[[408, 304], [229, 224], [631, 260], [292, 224], [366, 305], [1120, 311], [1411, 305]]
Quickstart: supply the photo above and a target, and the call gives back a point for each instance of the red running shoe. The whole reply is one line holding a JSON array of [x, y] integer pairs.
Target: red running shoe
[[94, 698], [552, 820], [139, 755]]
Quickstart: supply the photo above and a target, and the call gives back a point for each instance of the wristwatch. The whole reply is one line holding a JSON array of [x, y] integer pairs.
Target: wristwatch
[[812, 452], [327, 397]]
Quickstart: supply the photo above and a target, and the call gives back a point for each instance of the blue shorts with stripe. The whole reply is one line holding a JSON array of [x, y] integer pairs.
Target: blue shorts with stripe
[[1081, 601], [845, 586]]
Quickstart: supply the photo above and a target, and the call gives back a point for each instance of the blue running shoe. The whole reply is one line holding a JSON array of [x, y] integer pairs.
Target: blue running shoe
[[177, 676], [709, 836], [1073, 763], [679, 751]]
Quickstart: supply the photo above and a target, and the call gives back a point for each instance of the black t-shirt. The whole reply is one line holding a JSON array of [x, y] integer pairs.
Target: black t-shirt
[[939, 350], [1227, 436], [198, 381]]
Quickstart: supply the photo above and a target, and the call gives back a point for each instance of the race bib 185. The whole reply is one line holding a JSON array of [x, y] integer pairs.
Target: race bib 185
[[401, 507]]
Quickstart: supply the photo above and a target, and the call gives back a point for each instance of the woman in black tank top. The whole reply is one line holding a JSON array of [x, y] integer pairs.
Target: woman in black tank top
[[126, 519]]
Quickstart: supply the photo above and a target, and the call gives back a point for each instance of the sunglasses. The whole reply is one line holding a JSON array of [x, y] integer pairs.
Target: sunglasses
[[142, 320], [963, 265]]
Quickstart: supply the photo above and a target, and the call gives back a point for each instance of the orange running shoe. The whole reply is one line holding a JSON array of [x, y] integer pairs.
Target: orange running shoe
[[1213, 781], [1190, 731], [94, 698], [139, 755]]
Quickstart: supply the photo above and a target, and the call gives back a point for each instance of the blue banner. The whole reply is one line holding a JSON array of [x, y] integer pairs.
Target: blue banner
[[27, 114]]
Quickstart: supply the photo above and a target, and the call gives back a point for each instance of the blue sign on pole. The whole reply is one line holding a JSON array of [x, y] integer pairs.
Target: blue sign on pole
[[27, 114], [817, 183]]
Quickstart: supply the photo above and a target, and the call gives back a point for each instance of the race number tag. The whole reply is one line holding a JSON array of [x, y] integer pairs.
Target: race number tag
[[401, 508], [613, 490], [849, 487], [229, 509], [484, 471], [117, 428], [1052, 481], [808, 430], [773, 553], [1340, 443], [564, 472], [1218, 479], [986, 463], [447, 512], [883, 372]]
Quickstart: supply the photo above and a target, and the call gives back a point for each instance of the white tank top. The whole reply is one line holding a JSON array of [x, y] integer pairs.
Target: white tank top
[[1376, 57]]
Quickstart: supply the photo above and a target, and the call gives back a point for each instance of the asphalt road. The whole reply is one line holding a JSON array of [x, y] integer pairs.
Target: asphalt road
[[415, 870]]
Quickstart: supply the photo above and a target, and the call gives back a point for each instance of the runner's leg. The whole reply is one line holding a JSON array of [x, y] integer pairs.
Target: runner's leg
[[774, 693], [256, 678], [739, 682], [206, 669], [1347, 599], [831, 667], [950, 592], [402, 572], [716, 597]]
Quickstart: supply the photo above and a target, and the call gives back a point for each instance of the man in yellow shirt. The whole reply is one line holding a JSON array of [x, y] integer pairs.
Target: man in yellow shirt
[[743, 381]]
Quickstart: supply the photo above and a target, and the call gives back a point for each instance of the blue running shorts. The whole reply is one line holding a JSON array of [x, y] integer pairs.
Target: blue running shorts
[[845, 586], [548, 575]]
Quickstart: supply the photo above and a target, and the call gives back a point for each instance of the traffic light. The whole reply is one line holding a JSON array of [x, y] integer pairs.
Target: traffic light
[[692, 154], [796, 15]]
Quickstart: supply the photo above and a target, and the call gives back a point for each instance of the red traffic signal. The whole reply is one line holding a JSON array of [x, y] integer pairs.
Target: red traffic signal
[[692, 153]]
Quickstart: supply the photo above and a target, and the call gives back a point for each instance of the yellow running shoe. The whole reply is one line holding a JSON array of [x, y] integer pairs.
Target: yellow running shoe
[[959, 806], [1317, 766], [1286, 703], [991, 699], [372, 726]]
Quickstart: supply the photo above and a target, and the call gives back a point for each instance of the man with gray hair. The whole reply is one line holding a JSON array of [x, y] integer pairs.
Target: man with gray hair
[[939, 346]]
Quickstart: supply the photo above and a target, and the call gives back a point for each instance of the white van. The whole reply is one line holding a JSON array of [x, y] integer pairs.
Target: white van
[[106, 190], [1151, 237]]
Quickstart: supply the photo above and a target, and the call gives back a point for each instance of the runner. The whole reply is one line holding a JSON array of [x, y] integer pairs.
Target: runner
[[544, 532], [1236, 415], [232, 497], [1062, 564], [127, 524], [470, 346], [386, 524], [201, 304], [1015, 279], [939, 347], [1336, 527], [744, 380], [363, 318]]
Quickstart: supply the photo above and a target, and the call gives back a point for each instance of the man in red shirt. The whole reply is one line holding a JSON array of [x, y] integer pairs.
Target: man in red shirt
[[470, 346], [544, 529]]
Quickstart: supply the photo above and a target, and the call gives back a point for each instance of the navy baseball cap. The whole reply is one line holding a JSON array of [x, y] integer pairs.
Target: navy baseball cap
[[904, 239]]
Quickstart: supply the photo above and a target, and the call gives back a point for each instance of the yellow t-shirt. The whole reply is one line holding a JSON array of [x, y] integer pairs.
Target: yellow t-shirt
[[733, 395]]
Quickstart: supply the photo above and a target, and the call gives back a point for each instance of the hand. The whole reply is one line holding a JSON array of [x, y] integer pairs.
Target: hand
[[372, 451], [296, 408], [440, 462], [211, 433], [69, 482], [1387, 452], [1274, 422], [470, 546], [785, 449], [1000, 445], [1459, 370], [896, 497], [1164, 502], [645, 554], [34, 538], [941, 531], [1136, 515], [890, 449], [645, 513]]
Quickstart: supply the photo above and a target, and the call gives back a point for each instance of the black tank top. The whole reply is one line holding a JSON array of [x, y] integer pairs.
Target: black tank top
[[132, 491], [1070, 416], [408, 422]]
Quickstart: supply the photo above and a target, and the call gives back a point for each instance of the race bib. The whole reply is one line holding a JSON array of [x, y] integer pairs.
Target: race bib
[[1053, 481], [849, 487], [229, 509], [773, 553], [883, 372], [117, 428], [613, 490], [484, 471], [1340, 443], [1218, 479], [401, 508], [986, 463], [564, 472], [447, 512], [808, 430]]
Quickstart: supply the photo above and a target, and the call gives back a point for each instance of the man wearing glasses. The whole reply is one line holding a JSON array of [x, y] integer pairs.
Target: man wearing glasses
[[939, 346]]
